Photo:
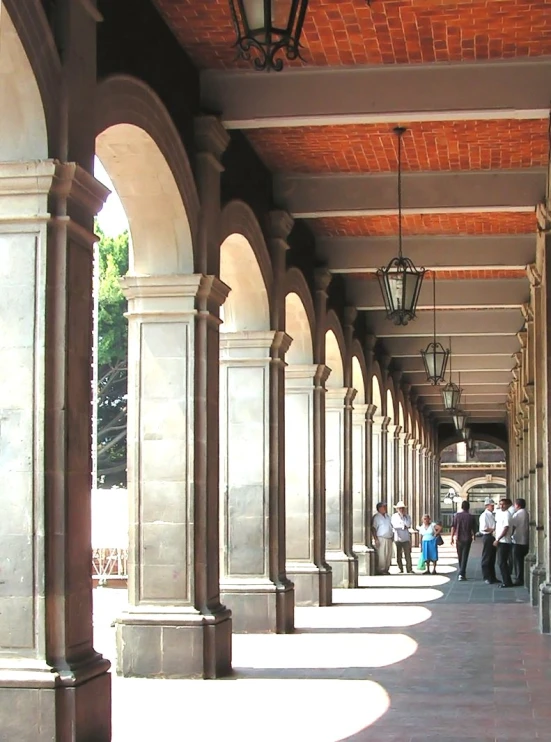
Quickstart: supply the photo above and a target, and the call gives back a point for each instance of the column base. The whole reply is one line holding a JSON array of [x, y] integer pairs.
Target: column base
[[260, 607], [37, 704], [313, 585], [535, 579], [344, 568], [171, 643], [545, 608], [366, 560]]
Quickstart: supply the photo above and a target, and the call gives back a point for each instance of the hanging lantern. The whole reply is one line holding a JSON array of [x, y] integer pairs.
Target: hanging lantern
[[400, 281], [471, 448], [451, 393], [267, 30], [459, 419], [466, 433], [435, 357]]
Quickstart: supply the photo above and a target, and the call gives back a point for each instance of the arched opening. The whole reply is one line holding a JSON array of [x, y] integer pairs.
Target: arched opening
[[23, 133], [159, 226]]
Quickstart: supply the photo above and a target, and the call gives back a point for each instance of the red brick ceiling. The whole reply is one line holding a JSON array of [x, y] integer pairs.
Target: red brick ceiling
[[347, 32], [430, 224], [446, 145]]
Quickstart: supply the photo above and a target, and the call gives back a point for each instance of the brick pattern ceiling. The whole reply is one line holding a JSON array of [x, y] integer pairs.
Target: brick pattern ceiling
[[454, 275], [492, 223], [348, 32], [441, 145]]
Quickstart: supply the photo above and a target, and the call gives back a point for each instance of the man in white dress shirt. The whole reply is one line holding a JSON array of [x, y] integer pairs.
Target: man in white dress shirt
[[383, 537], [401, 523], [486, 526], [521, 528], [503, 541]]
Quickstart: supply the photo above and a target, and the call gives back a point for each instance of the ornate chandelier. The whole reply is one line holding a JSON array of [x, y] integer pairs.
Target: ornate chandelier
[[268, 30], [400, 281]]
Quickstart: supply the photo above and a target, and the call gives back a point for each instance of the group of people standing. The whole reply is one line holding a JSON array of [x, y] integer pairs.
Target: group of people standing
[[505, 535], [505, 540], [396, 530]]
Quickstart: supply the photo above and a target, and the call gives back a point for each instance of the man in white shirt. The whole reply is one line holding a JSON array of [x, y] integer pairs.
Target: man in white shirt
[[381, 530], [486, 526], [521, 529], [401, 523], [503, 542]]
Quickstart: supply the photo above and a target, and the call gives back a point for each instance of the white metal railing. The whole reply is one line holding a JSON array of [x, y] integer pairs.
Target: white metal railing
[[109, 564]]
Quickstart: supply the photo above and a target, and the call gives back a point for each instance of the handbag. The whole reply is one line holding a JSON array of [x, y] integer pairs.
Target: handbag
[[439, 540]]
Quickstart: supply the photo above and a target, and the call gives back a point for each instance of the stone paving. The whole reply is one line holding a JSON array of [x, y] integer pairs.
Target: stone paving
[[411, 658]]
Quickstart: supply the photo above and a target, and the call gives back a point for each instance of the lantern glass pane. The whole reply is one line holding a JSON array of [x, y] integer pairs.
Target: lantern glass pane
[[256, 19]]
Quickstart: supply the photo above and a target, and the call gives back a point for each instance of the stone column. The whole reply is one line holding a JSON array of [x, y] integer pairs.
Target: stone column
[[339, 554], [402, 489], [385, 422], [360, 532], [536, 562], [544, 256], [253, 583], [175, 625], [424, 481], [417, 498], [53, 685], [392, 491], [306, 565], [379, 422]]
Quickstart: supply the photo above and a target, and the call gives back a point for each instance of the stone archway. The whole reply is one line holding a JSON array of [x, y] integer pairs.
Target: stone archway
[[258, 593], [168, 489]]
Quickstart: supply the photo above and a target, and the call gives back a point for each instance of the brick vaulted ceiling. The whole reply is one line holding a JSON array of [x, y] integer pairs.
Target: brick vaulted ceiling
[[470, 80]]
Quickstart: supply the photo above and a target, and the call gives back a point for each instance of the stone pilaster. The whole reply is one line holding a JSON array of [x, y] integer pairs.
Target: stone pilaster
[[306, 565], [360, 536], [49, 670], [544, 253], [392, 491], [339, 555], [253, 583], [175, 625]]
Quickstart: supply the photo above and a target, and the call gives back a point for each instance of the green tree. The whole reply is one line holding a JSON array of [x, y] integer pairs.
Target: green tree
[[112, 360]]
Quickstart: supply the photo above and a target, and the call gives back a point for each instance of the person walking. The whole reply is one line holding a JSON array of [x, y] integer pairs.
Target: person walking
[[503, 542], [487, 526], [401, 524], [521, 529], [463, 532], [429, 532], [383, 537]]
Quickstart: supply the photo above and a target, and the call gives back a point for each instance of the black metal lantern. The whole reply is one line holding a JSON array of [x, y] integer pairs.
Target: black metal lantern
[[435, 356], [459, 420], [466, 433], [400, 281], [267, 30], [451, 393], [471, 448]]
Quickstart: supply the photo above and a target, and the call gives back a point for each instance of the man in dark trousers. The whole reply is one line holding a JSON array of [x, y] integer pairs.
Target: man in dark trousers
[[464, 532], [487, 526]]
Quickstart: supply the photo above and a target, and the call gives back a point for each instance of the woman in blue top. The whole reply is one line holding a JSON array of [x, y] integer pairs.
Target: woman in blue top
[[429, 532]]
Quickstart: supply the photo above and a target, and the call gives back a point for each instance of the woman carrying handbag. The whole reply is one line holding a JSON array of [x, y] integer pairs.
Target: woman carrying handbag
[[431, 538]]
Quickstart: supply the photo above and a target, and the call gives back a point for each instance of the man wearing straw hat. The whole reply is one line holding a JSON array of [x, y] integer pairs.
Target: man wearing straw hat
[[401, 524]]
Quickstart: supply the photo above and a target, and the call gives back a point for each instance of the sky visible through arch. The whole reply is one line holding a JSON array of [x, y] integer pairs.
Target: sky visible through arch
[[111, 219]]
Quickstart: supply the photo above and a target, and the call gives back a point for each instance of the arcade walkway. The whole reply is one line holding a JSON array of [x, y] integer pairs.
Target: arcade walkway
[[413, 658]]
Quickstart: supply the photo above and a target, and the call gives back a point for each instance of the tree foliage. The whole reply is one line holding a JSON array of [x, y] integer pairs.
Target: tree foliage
[[112, 389]]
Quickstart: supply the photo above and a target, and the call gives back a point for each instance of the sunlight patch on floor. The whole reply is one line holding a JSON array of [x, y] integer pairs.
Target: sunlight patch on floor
[[360, 617], [386, 595], [245, 710], [319, 651]]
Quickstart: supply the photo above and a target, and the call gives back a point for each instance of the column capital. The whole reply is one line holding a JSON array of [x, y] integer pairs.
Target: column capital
[[164, 295], [322, 279], [340, 397], [371, 409], [382, 422], [248, 344], [349, 316], [534, 275], [359, 412], [210, 136]]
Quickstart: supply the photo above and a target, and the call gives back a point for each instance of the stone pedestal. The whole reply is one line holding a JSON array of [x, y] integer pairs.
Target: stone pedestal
[[536, 576], [175, 625], [545, 608], [339, 554], [305, 564], [253, 581], [53, 685]]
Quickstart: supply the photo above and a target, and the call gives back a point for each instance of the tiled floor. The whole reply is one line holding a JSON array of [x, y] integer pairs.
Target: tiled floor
[[410, 658]]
